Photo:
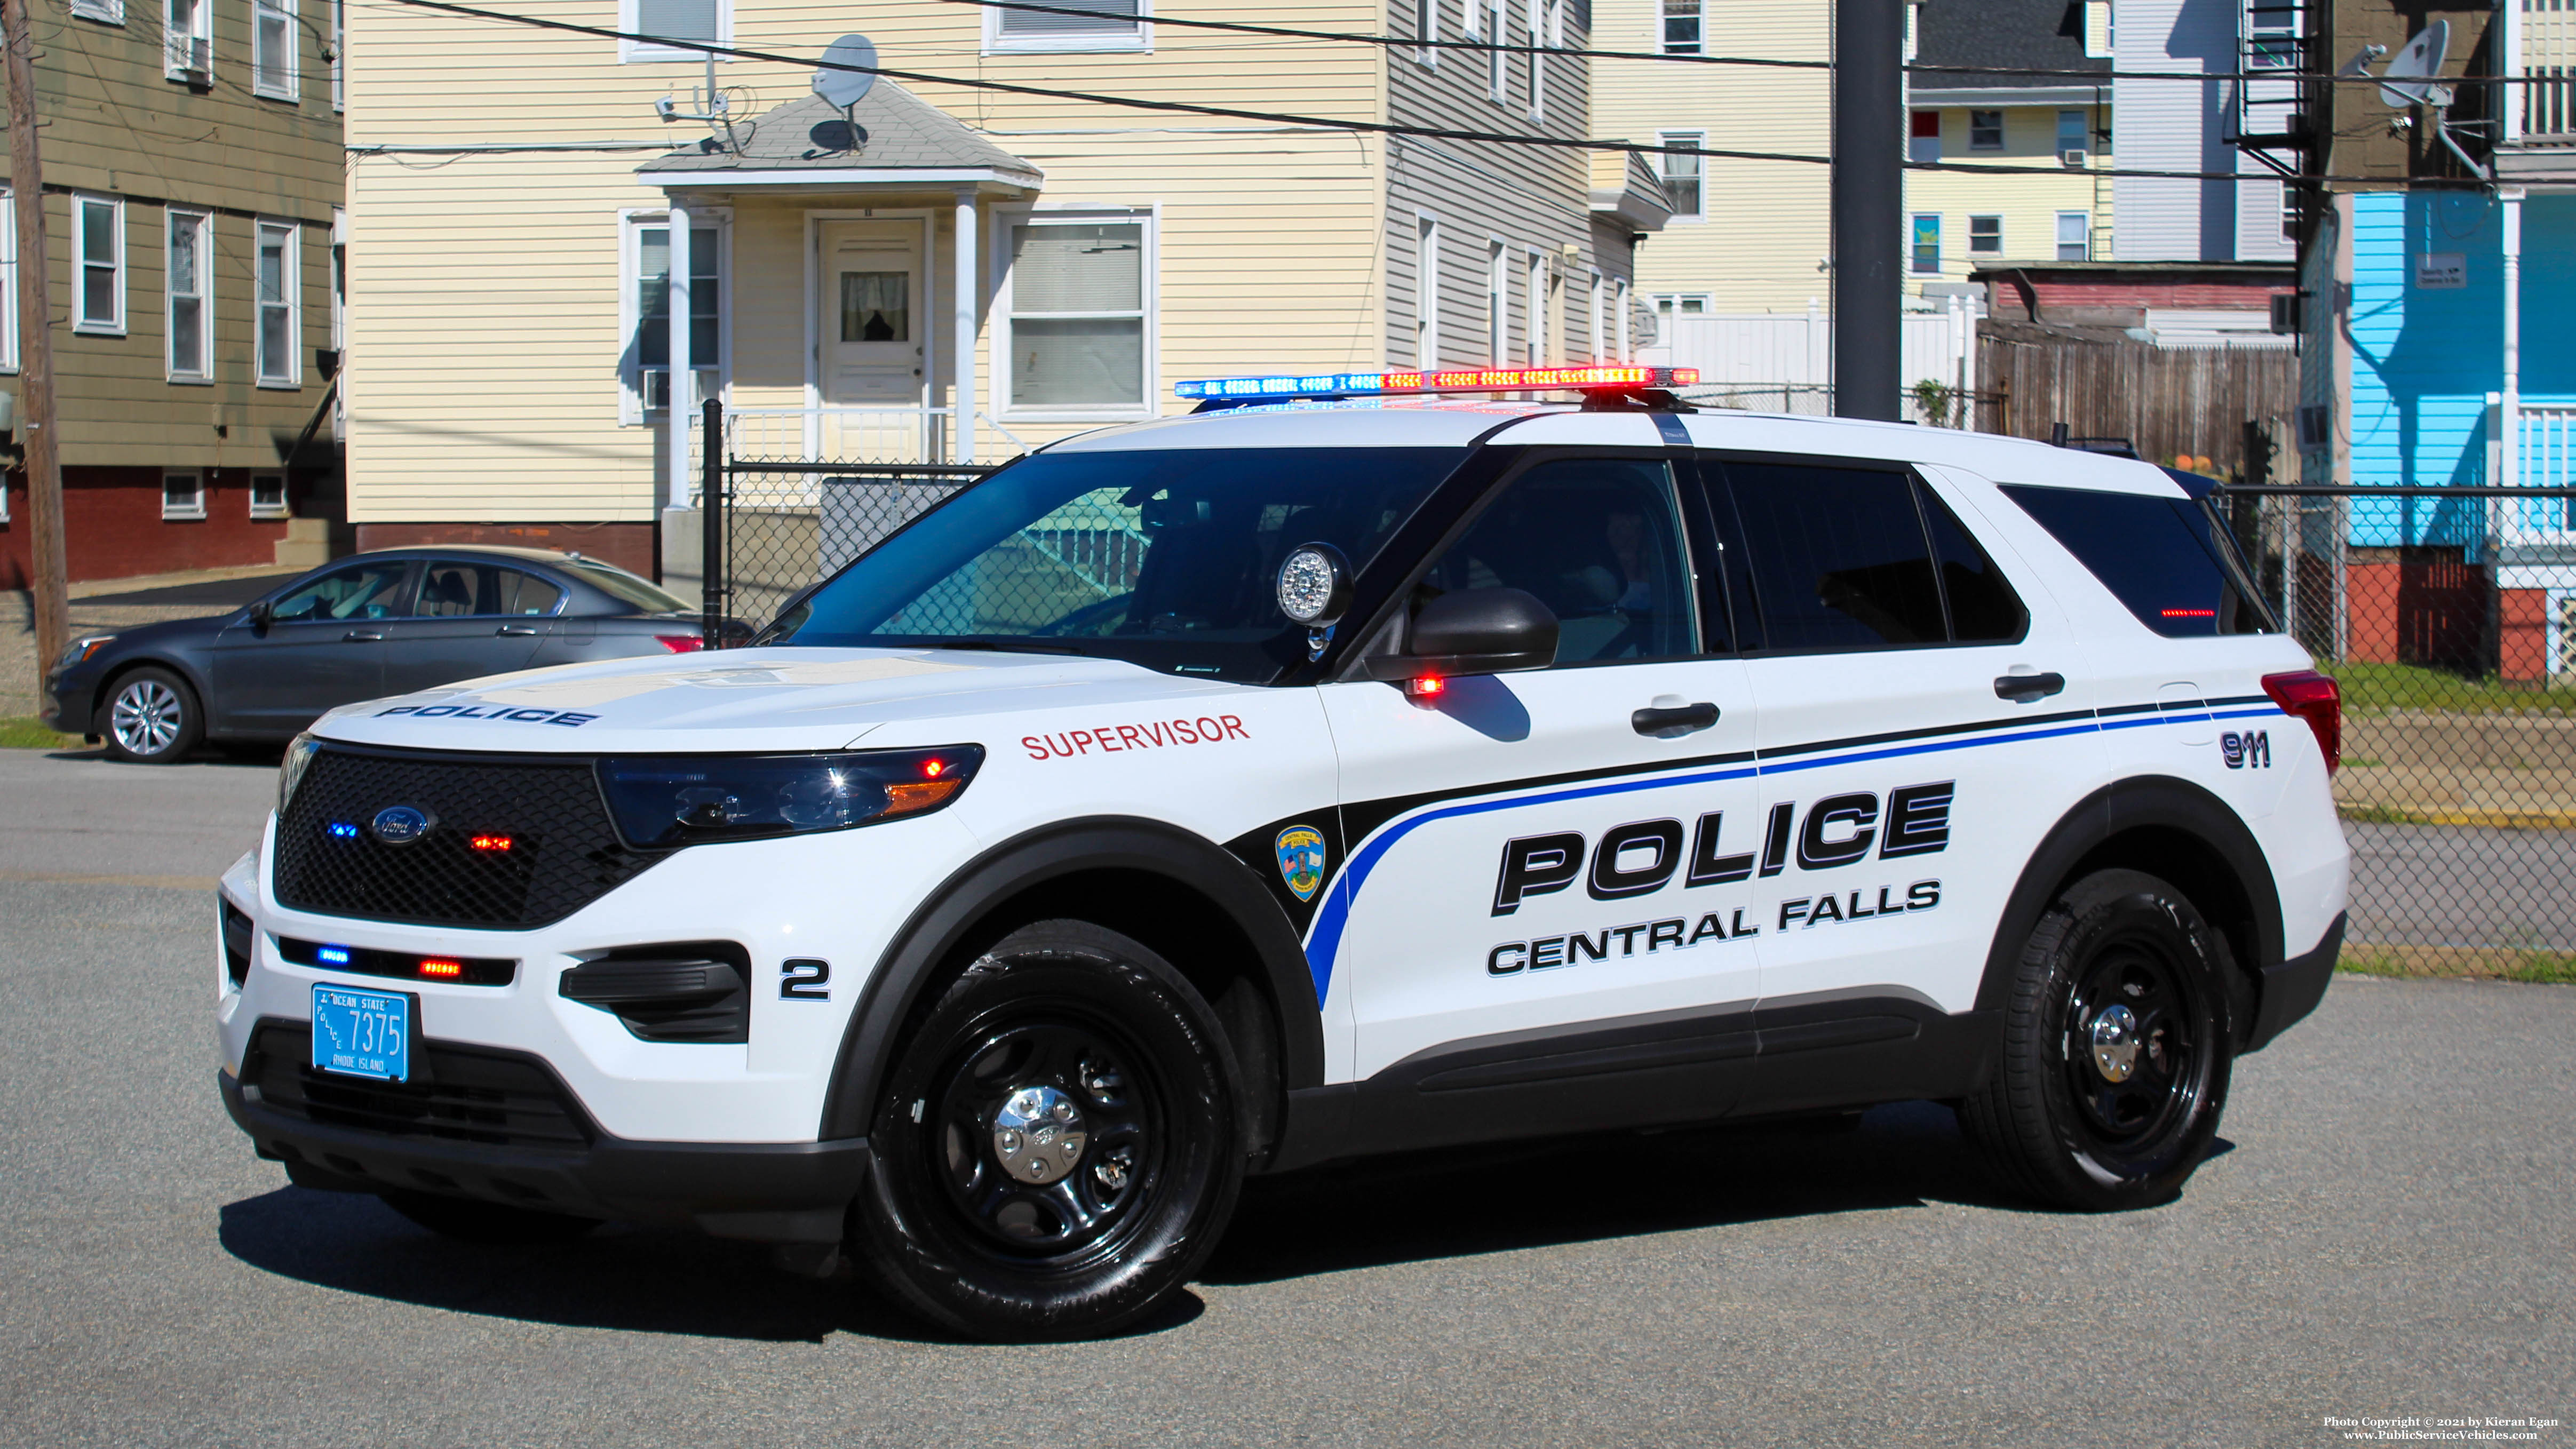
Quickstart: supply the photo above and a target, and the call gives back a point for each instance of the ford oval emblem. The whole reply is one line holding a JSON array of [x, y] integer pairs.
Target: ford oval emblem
[[401, 824]]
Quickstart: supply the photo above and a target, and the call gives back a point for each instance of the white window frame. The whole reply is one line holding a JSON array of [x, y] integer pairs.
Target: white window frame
[[1997, 249], [2083, 129], [1535, 71], [187, 512], [2084, 219], [1940, 245], [1107, 38], [1596, 333], [1534, 272], [178, 42], [1497, 21], [113, 326], [1698, 141], [2003, 129], [630, 19], [1426, 291], [106, 12], [1664, 18], [1923, 150], [1669, 304], [267, 78], [1009, 220], [291, 281], [1426, 28], [339, 54], [632, 223], [1622, 309], [203, 373], [1498, 305], [8, 293], [267, 510]]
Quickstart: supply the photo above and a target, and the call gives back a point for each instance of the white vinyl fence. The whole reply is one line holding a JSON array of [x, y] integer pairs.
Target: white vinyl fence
[[1784, 361]]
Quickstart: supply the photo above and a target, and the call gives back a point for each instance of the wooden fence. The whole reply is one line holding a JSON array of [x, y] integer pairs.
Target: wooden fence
[[2167, 401]]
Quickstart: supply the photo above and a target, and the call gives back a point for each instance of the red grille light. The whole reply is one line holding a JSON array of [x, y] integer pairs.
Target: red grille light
[[442, 970], [491, 842], [2318, 700]]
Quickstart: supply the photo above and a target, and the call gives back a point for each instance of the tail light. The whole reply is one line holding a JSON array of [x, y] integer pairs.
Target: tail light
[[2318, 700], [682, 643]]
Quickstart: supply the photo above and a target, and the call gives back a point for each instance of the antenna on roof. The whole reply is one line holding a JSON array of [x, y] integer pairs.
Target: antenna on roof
[[841, 89], [2413, 78]]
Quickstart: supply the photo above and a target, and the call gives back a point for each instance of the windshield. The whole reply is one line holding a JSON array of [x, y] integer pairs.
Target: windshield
[[618, 584], [1166, 559]]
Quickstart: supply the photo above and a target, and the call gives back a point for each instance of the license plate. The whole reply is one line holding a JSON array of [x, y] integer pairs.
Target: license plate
[[362, 1033]]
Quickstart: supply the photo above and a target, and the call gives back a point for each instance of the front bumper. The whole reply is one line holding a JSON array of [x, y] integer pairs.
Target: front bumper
[[69, 704], [779, 1192]]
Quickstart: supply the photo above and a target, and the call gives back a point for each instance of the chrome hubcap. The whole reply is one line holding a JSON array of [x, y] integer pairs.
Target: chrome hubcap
[[147, 716], [2115, 1043], [1038, 1135]]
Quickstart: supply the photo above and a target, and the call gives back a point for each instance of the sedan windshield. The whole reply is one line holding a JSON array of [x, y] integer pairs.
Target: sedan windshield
[[1166, 559]]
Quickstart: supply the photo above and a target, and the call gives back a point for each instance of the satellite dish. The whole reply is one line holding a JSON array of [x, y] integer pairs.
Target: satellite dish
[[2412, 78], [841, 89]]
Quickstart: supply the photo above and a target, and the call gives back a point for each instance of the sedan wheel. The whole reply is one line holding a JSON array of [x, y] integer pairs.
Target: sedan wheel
[[152, 718]]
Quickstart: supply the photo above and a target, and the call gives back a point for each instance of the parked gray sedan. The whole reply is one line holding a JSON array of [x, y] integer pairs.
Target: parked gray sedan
[[374, 624]]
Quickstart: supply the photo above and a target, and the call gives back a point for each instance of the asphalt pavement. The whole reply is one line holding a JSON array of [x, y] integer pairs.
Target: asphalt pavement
[[2388, 1233]]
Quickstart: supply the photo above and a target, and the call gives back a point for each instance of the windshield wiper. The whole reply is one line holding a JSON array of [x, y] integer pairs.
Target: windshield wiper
[[1015, 647]]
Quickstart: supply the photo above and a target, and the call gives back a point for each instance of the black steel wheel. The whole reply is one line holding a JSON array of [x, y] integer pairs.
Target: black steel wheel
[[472, 1220], [152, 717], [1058, 1144], [2116, 1055]]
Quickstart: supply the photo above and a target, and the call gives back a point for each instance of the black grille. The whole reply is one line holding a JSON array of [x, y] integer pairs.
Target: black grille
[[456, 1094], [562, 852]]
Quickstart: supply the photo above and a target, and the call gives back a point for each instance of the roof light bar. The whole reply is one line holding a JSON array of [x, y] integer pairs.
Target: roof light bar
[[1396, 384]]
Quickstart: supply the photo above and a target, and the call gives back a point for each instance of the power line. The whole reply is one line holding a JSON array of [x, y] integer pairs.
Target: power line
[[1378, 128]]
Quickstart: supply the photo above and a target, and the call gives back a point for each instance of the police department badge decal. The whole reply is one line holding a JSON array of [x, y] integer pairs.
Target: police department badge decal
[[1301, 860]]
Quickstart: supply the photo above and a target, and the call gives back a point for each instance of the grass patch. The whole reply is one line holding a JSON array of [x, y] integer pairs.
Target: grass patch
[[22, 733], [2377, 688], [2460, 963]]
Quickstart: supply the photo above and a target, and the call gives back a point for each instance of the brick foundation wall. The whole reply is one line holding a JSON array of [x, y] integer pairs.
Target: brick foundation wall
[[113, 528], [635, 547]]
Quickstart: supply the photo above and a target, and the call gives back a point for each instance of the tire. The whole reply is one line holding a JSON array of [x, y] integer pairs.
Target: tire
[[470, 1220], [2116, 1049], [152, 718], [984, 1213]]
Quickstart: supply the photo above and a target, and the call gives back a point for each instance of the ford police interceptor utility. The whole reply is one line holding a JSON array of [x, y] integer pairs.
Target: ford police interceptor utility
[[1308, 777]]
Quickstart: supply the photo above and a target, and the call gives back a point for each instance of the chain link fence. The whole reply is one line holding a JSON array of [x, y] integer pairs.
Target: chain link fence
[[2448, 615]]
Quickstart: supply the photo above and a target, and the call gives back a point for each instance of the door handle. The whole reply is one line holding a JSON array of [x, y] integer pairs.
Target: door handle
[[2023, 688], [363, 636], [517, 631], [1675, 722]]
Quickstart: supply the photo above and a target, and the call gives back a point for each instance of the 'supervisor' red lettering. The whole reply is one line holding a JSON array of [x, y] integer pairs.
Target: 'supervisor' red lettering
[[1207, 729]]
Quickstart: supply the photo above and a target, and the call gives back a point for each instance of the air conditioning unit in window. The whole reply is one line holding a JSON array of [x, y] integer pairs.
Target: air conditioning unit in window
[[192, 59], [2073, 158]]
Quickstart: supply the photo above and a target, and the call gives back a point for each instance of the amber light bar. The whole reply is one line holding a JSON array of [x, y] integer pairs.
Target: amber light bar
[[1387, 384]]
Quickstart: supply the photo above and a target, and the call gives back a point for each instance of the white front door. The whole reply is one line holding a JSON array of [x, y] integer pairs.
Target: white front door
[[874, 308]]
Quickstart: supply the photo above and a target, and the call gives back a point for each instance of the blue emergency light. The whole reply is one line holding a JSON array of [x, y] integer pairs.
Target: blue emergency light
[[1399, 384]]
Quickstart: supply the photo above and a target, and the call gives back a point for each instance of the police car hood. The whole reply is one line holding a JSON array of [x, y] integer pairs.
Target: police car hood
[[752, 700]]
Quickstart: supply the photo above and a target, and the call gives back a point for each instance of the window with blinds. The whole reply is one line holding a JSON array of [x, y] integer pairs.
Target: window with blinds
[[1077, 315], [1098, 22], [704, 22]]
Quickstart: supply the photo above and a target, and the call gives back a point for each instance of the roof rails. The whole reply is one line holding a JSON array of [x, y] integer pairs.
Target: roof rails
[[1636, 387]]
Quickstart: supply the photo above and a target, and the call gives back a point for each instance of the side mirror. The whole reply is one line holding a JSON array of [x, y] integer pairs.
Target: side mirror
[[259, 614], [1473, 631]]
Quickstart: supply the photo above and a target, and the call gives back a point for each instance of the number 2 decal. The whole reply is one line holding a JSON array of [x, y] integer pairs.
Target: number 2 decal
[[804, 980]]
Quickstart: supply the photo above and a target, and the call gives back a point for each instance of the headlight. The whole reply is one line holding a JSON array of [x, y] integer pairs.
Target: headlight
[[290, 771], [671, 800], [82, 648]]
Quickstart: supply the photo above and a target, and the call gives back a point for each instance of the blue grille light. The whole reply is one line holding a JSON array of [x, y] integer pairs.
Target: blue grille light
[[1323, 383], [341, 830], [331, 955]]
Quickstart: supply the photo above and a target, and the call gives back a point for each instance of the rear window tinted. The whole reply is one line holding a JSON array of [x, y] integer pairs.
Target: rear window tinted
[[2167, 559], [1845, 558]]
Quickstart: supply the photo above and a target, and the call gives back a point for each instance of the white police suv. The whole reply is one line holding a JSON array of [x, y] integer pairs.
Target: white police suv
[[1306, 779]]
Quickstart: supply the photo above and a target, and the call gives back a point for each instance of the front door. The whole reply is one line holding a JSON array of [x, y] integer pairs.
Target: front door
[[323, 646], [875, 314], [1553, 865], [472, 617]]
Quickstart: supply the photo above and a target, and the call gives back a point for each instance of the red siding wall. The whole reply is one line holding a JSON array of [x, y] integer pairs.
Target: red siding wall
[[2196, 296], [2417, 606], [2523, 616], [113, 528], [635, 547]]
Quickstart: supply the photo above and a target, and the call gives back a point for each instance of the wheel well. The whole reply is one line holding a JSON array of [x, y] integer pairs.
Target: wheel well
[[107, 688], [1184, 927], [2196, 868]]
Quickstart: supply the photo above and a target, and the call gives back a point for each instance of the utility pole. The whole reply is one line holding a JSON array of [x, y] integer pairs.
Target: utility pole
[[1868, 202], [35, 329]]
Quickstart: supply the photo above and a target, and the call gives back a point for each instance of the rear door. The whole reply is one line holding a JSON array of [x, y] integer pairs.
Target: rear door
[[322, 647], [472, 617], [1917, 738], [1545, 883]]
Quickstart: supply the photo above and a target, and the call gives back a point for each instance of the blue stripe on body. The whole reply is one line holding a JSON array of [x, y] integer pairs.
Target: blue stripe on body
[[1324, 942]]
